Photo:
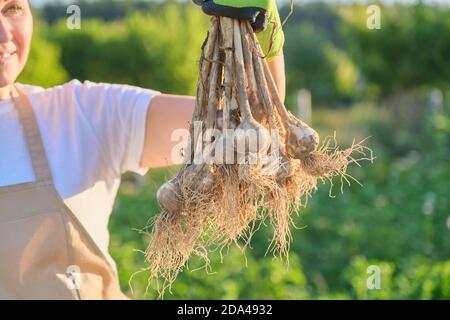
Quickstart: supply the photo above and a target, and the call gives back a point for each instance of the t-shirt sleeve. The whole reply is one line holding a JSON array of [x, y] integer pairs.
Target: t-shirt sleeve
[[117, 114]]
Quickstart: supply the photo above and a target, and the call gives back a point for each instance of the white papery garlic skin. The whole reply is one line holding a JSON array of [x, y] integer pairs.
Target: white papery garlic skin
[[169, 196]]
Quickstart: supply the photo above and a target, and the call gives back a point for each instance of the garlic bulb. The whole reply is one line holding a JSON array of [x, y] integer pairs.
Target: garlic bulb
[[169, 196]]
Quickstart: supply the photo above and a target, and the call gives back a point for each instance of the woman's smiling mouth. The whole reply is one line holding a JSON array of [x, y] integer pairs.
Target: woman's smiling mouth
[[5, 57]]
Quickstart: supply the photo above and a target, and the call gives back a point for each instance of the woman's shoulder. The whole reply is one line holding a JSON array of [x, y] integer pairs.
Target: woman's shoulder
[[32, 89], [89, 97], [52, 97], [56, 101]]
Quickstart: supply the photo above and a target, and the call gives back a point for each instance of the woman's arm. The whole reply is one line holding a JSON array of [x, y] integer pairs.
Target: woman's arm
[[167, 113], [276, 67]]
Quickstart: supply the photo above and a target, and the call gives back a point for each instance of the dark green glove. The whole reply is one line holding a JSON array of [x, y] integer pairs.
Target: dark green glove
[[262, 14]]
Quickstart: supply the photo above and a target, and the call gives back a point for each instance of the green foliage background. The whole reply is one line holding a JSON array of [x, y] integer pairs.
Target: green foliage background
[[391, 84]]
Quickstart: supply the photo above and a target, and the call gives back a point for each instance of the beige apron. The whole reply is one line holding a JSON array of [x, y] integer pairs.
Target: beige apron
[[45, 252]]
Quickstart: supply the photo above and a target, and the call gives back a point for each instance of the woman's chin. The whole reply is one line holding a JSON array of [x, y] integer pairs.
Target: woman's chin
[[6, 80], [9, 72]]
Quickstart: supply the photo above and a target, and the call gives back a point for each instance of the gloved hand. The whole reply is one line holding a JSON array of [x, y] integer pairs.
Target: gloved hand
[[262, 14]]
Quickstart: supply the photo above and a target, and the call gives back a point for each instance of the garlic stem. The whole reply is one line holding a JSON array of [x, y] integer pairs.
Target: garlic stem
[[201, 89], [226, 25], [240, 77]]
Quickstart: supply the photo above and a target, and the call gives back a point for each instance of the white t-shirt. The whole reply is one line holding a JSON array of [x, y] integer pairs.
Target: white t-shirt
[[92, 134]]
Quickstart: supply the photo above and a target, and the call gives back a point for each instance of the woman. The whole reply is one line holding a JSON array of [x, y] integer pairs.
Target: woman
[[63, 151]]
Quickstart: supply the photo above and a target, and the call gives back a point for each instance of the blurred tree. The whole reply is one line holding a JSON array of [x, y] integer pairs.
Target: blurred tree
[[313, 62], [44, 56], [158, 51], [320, 14], [410, 50], [107, 10]]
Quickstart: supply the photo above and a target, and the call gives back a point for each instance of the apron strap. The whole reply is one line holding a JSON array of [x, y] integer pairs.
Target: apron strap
[[32, 135]]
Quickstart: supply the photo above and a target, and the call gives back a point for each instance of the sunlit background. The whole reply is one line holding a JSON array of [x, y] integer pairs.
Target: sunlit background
[[392, 84]]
